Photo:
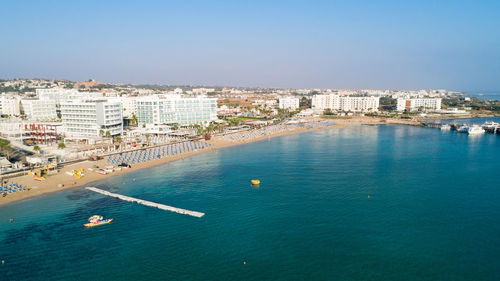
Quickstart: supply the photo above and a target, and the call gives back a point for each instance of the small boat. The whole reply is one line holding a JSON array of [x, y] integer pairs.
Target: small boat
[[69, 173], [97, 221], [39, 178], [463, 129], [475, 130], [255, 182], [445, 127]]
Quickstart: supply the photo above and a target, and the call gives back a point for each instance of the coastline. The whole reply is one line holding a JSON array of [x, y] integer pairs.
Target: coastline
[[50, 185]]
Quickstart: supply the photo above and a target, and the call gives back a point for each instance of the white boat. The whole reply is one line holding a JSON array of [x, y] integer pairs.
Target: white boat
[[475, 130], [490, 125], [463, 129], [445, 127]]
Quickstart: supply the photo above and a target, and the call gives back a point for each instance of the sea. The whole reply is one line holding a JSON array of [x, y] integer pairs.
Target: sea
[[357, 203], [492, 96]]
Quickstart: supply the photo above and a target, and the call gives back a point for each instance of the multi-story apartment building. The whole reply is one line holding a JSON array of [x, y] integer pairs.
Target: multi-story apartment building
[[341, 103], [129, 106], [418, 103], [176, 109], [40, 110], [10, 104], [58, 95], [90, 119], [291, 103]]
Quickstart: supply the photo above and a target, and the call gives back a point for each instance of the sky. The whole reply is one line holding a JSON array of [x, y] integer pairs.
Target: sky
[[356, 44]]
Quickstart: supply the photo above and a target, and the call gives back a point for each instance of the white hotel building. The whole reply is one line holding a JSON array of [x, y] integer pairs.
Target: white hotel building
[[57, 95], [9, 105], [176, 109], [84, 119], [39, 110], [341, 103], [129, 106], [418, 103], [291, 103]]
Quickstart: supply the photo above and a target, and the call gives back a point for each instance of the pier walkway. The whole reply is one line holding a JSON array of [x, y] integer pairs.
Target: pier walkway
[[147, 203]]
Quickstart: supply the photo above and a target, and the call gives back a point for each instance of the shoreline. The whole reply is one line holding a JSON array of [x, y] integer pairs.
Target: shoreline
[[50, 185]]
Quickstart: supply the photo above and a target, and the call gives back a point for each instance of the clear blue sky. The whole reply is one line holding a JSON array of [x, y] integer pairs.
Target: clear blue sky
[[297, 44]]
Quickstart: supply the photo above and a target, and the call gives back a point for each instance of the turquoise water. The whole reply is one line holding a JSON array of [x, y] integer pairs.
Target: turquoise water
[[360, 203]]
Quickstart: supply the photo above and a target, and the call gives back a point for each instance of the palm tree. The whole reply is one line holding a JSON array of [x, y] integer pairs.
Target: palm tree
[[5, 147], [36, 148], [61, 145], [108, 134], [101, 133]]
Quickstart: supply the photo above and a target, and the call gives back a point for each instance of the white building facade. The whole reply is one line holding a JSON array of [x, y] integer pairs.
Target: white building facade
[[89, 119], [176, 109], [129, 106], [57, 95], [418, 103], [10, 105], [290, 103], [341, 103], [39, 110]]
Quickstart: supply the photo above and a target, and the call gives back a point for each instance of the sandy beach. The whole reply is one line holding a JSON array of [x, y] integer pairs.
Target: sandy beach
[[52, 183]]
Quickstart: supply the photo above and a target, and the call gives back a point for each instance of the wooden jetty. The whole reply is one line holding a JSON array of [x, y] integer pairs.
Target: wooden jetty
[[147, 203]]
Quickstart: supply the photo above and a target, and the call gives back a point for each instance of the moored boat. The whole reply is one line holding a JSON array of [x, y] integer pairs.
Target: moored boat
[[475, 130], [490, 125], [445, 127], [463, 129]]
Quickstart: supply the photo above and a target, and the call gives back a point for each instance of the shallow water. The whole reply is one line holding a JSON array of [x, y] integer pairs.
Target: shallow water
[[359, 203]]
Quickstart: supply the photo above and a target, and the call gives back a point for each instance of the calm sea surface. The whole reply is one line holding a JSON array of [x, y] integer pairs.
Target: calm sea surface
[[360, 203]]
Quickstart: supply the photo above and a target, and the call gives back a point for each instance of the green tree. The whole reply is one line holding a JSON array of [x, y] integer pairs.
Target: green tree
[[101, 133], [36, 148], [108, 134], [133, 121], [305, 102], [61, 145], [118, 139], [328, 111], [5, 147]]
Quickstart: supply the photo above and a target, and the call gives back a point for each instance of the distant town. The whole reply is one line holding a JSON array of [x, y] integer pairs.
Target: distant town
[[53, 121]]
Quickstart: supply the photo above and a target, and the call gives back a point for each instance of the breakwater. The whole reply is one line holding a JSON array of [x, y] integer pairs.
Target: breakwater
[[147, 203]]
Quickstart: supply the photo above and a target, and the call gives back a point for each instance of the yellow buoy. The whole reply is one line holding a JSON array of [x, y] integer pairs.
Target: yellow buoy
[[255, 182], [244, 262]]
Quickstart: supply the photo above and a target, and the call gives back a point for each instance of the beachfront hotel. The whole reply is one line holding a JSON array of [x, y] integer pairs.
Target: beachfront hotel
[[60, 95], [57, 95], [176, 109], [418, 103], [340, 103], [90, 119], [9, 104], [291, 103], [39, 110]]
